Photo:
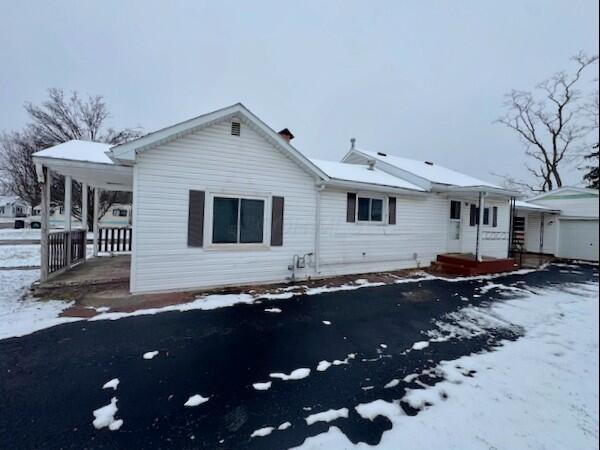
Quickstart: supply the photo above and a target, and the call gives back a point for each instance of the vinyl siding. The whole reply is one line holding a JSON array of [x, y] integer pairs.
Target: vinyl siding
[[213, 161], [574, 206], [532, 233], [492, 243], [419, 235]]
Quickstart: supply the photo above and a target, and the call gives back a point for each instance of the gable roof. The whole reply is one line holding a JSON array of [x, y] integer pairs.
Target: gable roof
[[11, 199], [427, 171], [563, 193], [126, 152], [359, 173]]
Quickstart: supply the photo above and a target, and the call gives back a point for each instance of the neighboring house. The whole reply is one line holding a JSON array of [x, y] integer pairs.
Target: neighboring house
[[563, 222], [12, 207], [118, 215], [222, 199], [56, 217]]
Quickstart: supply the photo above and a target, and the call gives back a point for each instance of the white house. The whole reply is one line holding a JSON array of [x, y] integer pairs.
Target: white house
[[223, 199], [12, 207], [563, 222]]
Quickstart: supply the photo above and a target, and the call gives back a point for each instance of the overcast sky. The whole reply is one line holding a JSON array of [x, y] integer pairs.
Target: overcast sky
[[418, 79]]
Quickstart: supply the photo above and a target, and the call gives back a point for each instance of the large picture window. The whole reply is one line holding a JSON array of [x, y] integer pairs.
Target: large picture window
[[238, 220], [370, 209]]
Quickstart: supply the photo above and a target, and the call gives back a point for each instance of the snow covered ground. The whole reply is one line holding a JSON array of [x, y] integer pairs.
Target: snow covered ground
[[20, 234], [19, 255], [20, 316], [540, 391]]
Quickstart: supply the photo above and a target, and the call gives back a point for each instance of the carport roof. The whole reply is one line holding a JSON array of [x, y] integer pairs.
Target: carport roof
[[86, 162]]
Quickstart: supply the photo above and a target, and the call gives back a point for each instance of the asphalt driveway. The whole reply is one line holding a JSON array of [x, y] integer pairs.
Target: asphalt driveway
[[51, 381]]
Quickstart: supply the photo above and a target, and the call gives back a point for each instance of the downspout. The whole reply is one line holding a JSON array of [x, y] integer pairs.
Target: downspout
[[510, 225], [541, 250], [317, 251]]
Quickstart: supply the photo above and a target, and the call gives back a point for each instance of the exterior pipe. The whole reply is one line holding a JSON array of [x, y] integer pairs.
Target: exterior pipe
[[320, 187]]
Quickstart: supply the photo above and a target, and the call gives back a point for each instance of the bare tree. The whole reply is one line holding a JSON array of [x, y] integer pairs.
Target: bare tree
[[592, 156], [58, 119], [551, 127]]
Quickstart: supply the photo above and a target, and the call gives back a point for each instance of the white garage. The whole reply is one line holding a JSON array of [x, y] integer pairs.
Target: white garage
[[578, 239], [562, 222]]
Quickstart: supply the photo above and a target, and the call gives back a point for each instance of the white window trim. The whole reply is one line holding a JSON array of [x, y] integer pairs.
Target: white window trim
[[208, 222], [384, 210]]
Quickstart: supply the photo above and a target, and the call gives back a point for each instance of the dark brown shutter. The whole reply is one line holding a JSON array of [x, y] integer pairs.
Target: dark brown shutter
[[351, 208], [392, 210], [494, 216], [473, 216], [196, 219], [277, 222]]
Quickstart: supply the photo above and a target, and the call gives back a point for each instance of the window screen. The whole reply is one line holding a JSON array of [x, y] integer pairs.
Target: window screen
[[238, 221], [455, 210], [376, 210], [363, 208], [251, 221], [370, 209]]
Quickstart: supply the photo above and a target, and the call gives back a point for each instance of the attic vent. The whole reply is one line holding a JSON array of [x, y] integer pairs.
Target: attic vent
[[381, 154], [429, 163], [235, 128]]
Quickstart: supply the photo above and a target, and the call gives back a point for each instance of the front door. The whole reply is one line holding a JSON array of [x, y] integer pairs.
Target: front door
[[454, 227]]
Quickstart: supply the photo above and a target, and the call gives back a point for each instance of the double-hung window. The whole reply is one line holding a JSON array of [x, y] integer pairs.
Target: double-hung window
[[370, 209], [238, 220]]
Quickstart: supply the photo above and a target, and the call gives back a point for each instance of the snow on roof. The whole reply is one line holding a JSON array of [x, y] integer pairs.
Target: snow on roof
[[76, 150], [9, 199], [429, 171], [526, 205], [362, 174]]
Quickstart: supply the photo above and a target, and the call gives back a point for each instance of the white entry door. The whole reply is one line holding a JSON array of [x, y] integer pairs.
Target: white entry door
[[454, 227]]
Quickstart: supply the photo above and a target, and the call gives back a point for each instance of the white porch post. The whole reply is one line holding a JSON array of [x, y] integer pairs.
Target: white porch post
[[45, 207], [84, 214], [84, 206], [67, 212], [478, 255], [96, 213]]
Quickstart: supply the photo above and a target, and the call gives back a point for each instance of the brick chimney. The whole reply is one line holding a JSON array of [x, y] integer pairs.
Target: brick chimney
[[286, 134]]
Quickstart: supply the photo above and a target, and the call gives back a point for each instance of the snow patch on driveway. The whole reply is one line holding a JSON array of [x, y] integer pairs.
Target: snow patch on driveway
[[327, 416], [150, 355], [105, 416], [379, 408], [112, 384], [297, 374], [262, 386], [196, 400]]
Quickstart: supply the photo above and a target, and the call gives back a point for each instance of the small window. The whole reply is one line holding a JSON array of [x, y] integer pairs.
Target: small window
[[495, 216], [119, 212], [238, 221], [474, 216], [1, 209], [236, 128], [370, 209], [455, 210]]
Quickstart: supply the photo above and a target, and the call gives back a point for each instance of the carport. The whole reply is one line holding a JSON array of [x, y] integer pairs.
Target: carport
[[88, 164]]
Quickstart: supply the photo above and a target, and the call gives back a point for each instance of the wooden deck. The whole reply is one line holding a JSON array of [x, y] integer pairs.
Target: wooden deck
[[466, 264], [94, 271]]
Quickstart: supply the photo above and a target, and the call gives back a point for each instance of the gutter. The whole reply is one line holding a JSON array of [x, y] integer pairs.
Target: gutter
[[355, 185]]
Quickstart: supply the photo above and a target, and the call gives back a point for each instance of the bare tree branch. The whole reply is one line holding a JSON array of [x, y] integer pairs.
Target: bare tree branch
[[550, 128]]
